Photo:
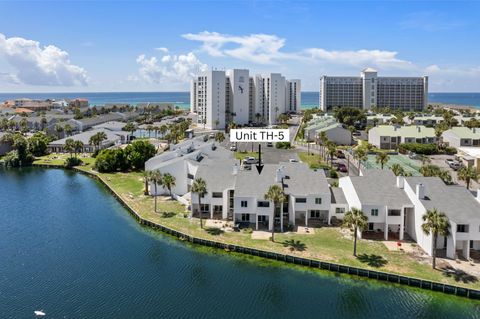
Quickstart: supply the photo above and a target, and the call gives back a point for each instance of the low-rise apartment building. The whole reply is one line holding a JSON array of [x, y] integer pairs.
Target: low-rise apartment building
[[390, 136], [113, 139], [460, 136]]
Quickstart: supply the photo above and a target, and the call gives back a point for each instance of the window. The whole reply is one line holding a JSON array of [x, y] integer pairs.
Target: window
[[244, 203], [263, 204], [314, 214], [262, 218], [394, 212], [339, 210], [205, 208], [300, 200], [217, 195], [374, 212], [245, 217], [190, 176], [462, 228], [318, 201]]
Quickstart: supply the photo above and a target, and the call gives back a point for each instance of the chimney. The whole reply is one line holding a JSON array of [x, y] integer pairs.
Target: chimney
[[400, 181], [235, 169], [279, 175], [420, 191]]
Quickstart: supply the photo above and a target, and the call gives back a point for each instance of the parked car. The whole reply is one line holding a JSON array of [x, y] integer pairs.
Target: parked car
[[455, 165], [339, 154], [250, 160], [269, 144], [233, 148], [449, 161], [356, 133], [293, 160], [212, 135], [342, 168]]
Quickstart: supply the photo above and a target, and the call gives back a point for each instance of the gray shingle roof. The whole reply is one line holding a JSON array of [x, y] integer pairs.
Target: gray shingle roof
[[453, 200], [218, 175], [338, 196], [379, 187], [299, 180]]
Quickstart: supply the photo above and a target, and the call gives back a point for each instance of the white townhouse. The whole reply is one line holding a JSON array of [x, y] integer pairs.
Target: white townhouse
[[395, 205], [379, 194], [390, 136], [461, 208], [460, 136], [307, 196], [424, 119]]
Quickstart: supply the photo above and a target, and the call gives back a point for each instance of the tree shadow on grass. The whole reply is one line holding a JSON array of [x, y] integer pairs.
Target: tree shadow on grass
[[294, 245], [372, 260], [214, 231], [458, 275], [168, 214]]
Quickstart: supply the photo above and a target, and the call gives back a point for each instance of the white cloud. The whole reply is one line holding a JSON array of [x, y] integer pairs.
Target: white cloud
[[169, 68], [257, 48], [37, 65], [162, 49], [266, 49], [381, 58]]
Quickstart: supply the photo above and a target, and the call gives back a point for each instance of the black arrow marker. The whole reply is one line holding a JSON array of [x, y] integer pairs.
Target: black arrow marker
[[259, 166]]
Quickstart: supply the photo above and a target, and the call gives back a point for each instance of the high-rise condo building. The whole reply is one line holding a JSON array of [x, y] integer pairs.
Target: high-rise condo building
[[219, 97], [369, 90]]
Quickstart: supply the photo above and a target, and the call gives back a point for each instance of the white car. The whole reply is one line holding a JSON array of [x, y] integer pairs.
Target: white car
[[233, 148], [250, 160], [293, 160]]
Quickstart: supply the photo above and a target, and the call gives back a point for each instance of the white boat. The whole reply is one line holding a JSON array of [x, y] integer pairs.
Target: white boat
[[39, 313]]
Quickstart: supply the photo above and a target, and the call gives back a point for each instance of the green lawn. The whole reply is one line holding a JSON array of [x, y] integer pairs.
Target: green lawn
[[242, 155], [58, 159], [313, 160]]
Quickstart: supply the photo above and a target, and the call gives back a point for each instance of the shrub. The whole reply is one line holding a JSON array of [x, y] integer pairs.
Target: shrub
[[283, 145], [72, 161], [449, 150], [424, 149], [333, 174]]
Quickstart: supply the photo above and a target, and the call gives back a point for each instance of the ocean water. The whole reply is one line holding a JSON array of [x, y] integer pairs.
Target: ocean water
[[67, 247], [182, 99]]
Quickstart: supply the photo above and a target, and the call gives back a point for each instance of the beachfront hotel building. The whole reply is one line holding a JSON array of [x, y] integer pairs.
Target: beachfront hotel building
[[370, 90], [221, 97]]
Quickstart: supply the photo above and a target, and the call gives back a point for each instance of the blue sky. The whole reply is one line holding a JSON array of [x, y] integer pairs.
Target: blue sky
[[158, 45]]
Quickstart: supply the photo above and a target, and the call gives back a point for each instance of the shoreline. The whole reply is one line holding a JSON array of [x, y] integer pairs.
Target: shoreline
[[309, 263], [458, 107]]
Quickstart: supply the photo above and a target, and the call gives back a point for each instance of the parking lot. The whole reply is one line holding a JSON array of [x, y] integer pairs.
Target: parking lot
[[439, 160]]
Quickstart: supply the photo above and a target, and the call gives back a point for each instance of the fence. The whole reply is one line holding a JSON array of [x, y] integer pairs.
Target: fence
[[339, 268]]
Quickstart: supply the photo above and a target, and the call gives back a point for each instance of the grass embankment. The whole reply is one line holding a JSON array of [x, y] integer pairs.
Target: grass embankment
[[242, 155], [314, 161], [59, 160], [328, 243]]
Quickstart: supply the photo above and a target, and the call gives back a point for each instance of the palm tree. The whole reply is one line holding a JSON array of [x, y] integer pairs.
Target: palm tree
[[382, 158], [356, 221], [168, 181], [156, 178], [323, 139], [68, 129], [69, 146], [397, 169], [360, 154], [97, 139], [199, 187], [331, 149], [78, 147], [435, 223], [163, 129], [467, 174], [130, 127], [219, 137], [276, 195], [146, 175], [58, 129], [258, 116], [149, 130], [43, 122]]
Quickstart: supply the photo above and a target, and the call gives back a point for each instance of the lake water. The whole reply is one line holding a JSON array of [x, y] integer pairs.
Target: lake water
[[182, 99], [69, 248]]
